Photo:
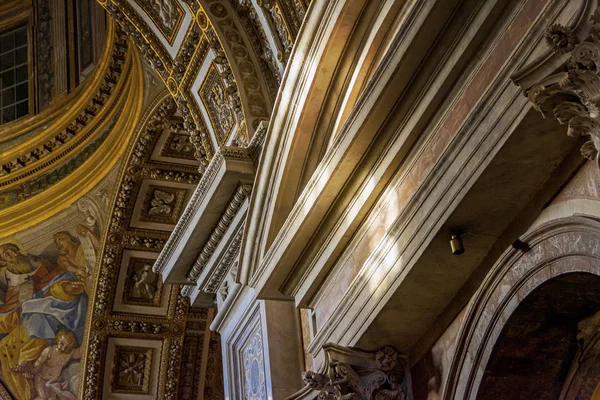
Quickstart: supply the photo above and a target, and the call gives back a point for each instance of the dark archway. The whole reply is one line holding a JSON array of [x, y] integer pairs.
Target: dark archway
[[538, 345]]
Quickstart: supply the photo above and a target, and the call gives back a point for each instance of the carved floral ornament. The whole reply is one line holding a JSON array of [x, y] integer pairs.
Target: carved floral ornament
[[352, 374], [573, 95]]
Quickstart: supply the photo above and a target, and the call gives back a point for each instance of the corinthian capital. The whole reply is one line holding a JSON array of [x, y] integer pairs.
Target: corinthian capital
[[352, 374], [572, 95]]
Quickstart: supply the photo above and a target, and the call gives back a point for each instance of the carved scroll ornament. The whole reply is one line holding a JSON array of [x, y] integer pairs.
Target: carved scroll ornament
[[356, 375], [573, 95]]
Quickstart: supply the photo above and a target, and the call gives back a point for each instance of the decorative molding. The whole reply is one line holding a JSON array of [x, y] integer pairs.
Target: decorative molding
[[167, 15], [245, 63], [256, 143], [101, 104], [207, 178], [286, 38], [214, 96], [225, 265], [44, 54], [270, 67], [143, 318], [142, 286], [67, 140], [242, 192], [131, 370], [162, 204], [139, 32], [124, 326]]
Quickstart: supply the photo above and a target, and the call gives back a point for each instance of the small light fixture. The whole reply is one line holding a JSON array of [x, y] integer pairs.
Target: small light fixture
[[456, 244]]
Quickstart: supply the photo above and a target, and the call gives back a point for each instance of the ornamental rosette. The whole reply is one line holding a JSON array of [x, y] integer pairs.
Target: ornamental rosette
[[387, 359], [560, 39]]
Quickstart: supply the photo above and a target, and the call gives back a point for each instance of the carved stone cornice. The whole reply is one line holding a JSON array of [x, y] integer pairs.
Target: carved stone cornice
[[215, 280], [241, 193], [352, 374], [256, 143]]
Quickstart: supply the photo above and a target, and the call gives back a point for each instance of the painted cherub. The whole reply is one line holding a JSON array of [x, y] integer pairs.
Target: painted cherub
[[47, 369]]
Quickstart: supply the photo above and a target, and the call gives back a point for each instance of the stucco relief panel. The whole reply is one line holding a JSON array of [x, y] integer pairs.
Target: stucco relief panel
[[131, 370], [213, 93], [139, 289], [159, 204], [167, 15], [174, 145], [134, 368]]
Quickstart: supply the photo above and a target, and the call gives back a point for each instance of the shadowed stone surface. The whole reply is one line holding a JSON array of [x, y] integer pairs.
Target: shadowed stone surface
[[536, 348]]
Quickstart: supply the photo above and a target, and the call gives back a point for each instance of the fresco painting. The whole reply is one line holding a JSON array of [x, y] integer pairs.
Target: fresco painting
[[46, 276]]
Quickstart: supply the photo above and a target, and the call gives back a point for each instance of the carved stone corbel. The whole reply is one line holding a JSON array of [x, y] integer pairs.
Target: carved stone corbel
[[573, 95], [352, 374]]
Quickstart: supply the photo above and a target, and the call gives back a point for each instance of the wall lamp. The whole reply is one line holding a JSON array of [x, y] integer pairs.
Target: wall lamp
[[456, 244]]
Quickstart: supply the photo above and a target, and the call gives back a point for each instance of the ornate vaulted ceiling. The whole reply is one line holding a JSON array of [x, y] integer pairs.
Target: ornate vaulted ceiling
[[96, 177], [221, 60]]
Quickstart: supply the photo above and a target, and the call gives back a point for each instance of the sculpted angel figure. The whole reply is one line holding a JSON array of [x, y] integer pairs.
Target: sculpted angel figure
[[142, 285]]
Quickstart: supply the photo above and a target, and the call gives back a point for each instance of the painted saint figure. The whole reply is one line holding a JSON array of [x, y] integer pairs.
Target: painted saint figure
[[71, 251]]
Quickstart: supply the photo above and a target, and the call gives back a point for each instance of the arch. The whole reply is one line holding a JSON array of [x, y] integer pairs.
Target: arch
[[538, 346], [558, 247]]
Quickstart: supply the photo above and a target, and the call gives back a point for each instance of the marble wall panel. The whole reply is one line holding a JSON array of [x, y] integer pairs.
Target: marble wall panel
[[417, 172], [584, 185], [431, 371]]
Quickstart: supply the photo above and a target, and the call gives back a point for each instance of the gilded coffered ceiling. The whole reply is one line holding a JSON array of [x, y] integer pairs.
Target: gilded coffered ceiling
[[143, 340], [222, 60]]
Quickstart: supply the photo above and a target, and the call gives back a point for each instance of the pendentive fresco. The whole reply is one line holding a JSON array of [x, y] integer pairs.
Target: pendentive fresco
[[46, 277]]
